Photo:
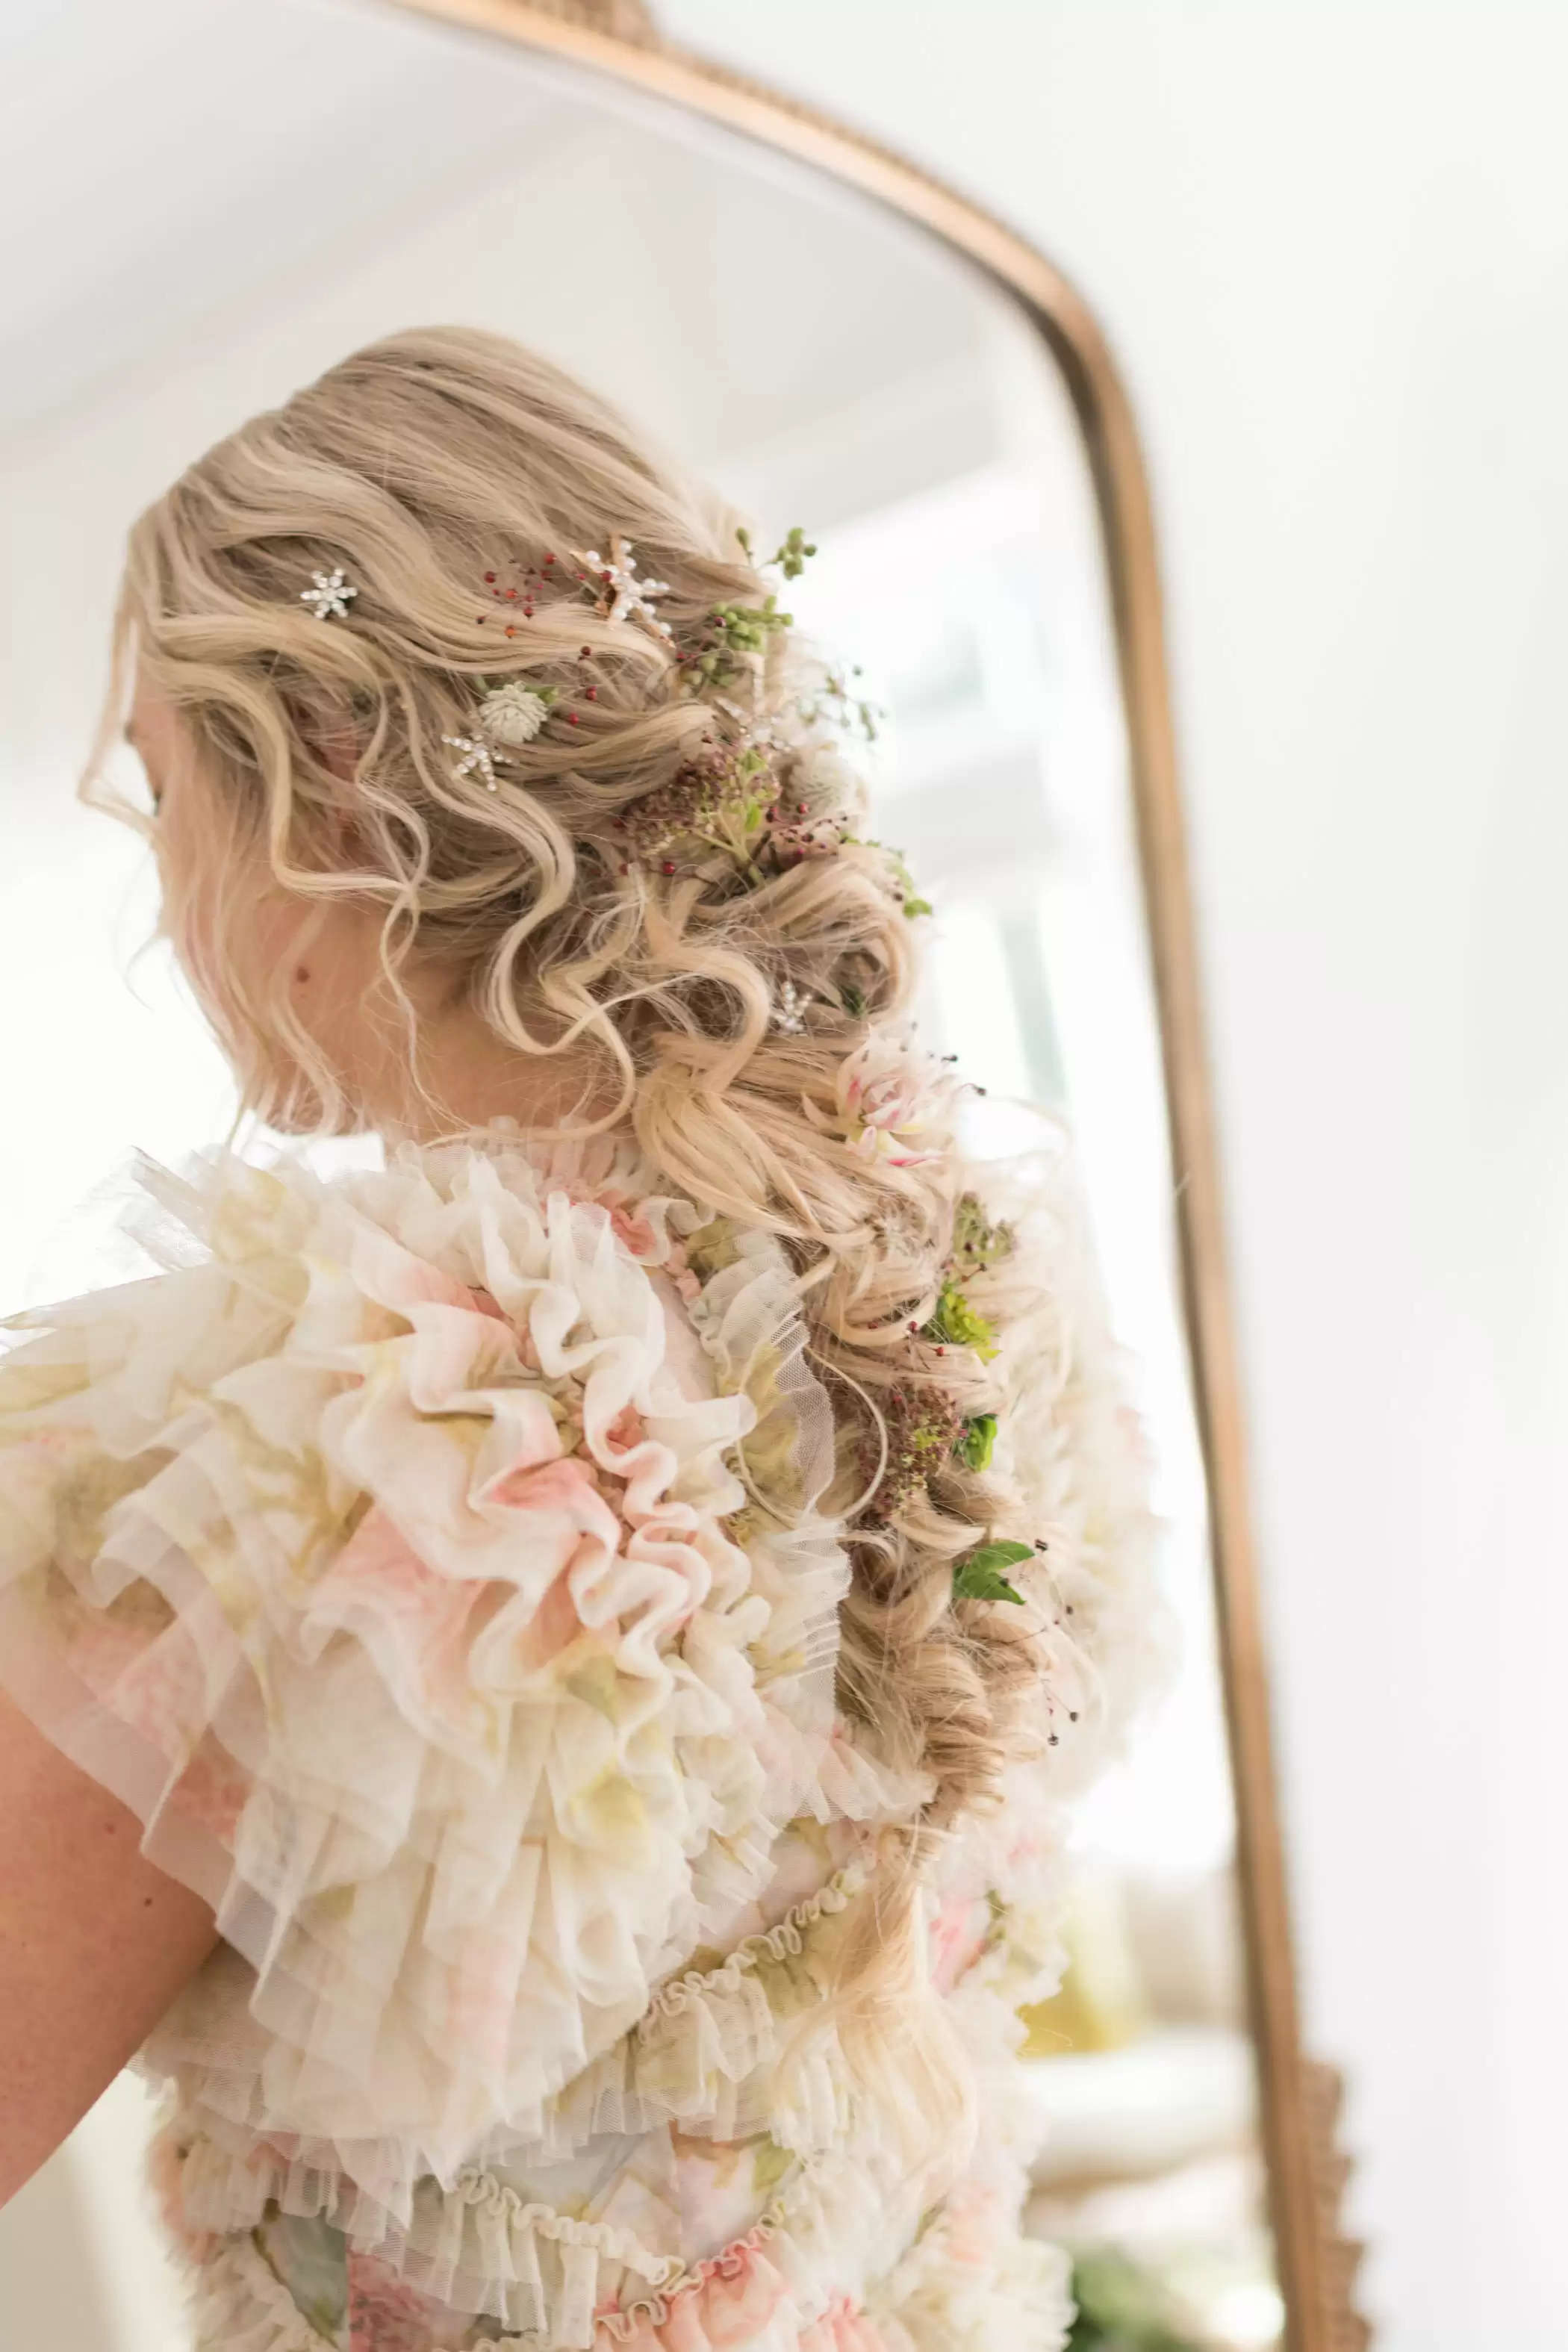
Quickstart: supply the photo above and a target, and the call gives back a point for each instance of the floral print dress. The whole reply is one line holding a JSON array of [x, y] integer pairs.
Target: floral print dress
[[432, 1559]]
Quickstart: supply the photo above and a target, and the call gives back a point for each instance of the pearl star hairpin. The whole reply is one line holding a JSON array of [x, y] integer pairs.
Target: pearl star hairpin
[[330, 595], [624, 596], [474, 760]]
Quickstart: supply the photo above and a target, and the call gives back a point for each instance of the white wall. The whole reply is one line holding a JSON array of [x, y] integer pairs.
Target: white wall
[[1331, 244]]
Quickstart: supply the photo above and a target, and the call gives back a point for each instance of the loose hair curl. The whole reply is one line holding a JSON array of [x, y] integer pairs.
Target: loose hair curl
[[420, 465]]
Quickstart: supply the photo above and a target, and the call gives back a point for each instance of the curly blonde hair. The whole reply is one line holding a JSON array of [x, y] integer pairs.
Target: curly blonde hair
[[669, 850]]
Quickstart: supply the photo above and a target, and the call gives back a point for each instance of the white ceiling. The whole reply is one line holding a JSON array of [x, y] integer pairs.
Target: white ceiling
[[158, 159], [171, 171]]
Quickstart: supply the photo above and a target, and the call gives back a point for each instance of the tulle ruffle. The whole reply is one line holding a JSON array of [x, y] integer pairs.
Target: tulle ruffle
[[972, 2282], [704, 2054], [384, 1566], [433, 1559], [237, 2305], [968, 2282]]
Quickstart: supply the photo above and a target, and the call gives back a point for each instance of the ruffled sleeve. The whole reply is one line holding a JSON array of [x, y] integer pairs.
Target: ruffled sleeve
[[434, 1569]]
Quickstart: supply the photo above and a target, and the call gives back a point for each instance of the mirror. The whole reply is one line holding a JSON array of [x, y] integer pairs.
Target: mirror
[[780, 309]]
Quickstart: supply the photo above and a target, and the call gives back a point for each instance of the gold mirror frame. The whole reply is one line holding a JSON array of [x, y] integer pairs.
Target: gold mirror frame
[[1299, 2098]]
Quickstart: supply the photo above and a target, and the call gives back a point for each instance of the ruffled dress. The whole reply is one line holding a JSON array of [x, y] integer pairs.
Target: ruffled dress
[[432, 1559]]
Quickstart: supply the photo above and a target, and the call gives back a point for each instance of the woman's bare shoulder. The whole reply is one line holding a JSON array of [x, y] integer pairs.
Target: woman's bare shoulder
[[96, 1943]]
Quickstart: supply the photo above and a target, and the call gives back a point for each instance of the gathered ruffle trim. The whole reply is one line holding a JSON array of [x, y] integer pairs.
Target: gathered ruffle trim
[[561, 2270], [705, 2052], [834, 2223], [968, 2281], [701, 1989], [589, 2287], [239, 2305], [705, 2056]]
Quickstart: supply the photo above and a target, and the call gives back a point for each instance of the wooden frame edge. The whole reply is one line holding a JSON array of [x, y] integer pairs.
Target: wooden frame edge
[[1300, 2099]]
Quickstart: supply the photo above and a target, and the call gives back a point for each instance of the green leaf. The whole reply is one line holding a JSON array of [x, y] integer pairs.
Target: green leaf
[[978, 1575], [1004, 1551], [977, 1441], [958, 1324]]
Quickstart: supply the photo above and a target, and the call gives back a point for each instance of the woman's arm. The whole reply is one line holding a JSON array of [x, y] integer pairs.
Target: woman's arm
[[94, 1944]]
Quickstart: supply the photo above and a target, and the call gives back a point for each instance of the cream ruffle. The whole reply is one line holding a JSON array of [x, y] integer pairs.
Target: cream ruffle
[[837, 2264], [237, 2306], [240, 2306], [952, 2291], [433, 1560], [381, 1564], [477, 2247], [833, 2224], [710, 2045], [705, 2055], [972, 2282]]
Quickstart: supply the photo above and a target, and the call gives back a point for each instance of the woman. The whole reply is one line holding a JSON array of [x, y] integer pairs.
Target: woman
[[542, 1678]]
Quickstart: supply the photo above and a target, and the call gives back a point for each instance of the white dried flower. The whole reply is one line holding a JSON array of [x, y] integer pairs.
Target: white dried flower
[[789, 1009], [512, 713], [825, 781]]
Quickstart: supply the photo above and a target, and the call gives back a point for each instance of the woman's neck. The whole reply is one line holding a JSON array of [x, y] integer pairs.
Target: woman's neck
[[473, 1078]]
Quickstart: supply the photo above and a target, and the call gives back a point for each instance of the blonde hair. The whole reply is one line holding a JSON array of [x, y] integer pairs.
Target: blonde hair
[[440, 469]]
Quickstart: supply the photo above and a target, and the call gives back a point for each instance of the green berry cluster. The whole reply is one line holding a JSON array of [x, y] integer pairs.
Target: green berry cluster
[[734, 634], [954, 1323]]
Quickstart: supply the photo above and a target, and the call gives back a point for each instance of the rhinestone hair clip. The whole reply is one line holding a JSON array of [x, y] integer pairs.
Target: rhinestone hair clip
[[329, 595]]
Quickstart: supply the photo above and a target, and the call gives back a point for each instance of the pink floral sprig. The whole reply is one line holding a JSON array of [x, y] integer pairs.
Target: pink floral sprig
[[889, 1094]]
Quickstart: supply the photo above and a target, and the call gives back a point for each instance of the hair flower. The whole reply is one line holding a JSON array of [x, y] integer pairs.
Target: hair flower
[[621, 593], [514, 714], [824, 784], [474, 760], [789, 1009], [887, 1095]]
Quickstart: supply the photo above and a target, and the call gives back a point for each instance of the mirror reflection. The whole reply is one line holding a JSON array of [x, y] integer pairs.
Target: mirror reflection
[[831, 367]]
